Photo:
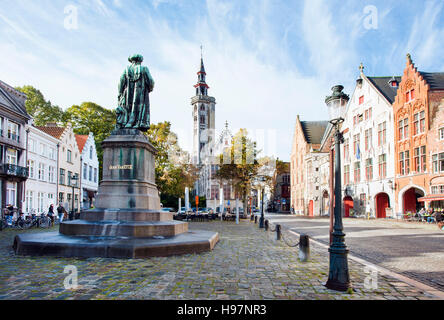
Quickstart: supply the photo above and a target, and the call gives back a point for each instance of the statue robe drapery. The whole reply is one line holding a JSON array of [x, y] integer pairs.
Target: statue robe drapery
[[134, 107]]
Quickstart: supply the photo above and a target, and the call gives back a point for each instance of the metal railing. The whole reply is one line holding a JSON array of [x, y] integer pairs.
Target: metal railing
[[303, 243], [14, 170]]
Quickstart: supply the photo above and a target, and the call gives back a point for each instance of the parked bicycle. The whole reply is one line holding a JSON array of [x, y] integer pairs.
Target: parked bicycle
[[44, 221]]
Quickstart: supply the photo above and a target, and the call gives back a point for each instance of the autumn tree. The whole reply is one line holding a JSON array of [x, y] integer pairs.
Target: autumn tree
[[241, 169], [173, 169]]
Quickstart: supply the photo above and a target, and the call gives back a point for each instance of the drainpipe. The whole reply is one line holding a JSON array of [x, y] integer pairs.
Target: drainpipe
[[57, 175], [331, 192], [80, 184], [26, 164]]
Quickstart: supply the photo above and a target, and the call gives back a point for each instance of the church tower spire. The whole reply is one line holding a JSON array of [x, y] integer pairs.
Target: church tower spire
[[203, 117], [201, 86]]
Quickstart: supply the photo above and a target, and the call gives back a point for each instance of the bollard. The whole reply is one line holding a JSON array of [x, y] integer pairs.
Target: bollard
[[304, 248], [266, 225], [278, 232], [255, 219]]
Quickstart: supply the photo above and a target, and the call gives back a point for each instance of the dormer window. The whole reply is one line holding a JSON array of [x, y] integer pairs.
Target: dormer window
[[393, 82]]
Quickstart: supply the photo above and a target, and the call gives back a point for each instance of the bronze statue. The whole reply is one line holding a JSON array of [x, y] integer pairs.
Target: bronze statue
[[135, 84]]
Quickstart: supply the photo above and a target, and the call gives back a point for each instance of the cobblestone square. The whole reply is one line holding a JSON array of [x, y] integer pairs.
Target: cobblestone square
[[247, 263]]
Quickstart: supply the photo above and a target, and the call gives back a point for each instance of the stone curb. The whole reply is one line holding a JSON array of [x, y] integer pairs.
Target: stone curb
[[421, 286]]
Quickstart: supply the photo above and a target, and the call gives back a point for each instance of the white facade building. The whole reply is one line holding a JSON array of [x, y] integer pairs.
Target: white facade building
[[41, 186], [316, 163], [367, 154], [210, 186], [89, 177]]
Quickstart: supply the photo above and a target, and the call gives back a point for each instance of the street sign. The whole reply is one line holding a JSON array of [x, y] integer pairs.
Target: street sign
[[283, 201]]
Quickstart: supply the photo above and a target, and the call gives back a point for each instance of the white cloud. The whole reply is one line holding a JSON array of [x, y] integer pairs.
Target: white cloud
[[425, 41], [257, 81]]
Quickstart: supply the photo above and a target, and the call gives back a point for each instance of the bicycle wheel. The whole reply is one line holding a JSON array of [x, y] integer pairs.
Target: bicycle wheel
[[20, 224], [27, 224], [44, 223]]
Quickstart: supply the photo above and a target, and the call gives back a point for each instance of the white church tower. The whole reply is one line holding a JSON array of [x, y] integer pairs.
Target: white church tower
[[203, 118]]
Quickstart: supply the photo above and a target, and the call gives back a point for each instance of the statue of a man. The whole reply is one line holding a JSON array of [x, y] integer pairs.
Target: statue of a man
[[135, 84]]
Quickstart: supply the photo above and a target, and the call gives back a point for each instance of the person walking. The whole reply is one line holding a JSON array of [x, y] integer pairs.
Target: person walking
[[61, 212], [9, 213], [51, 214]]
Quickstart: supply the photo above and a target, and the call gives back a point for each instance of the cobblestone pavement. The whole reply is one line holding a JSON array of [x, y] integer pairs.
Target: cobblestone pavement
[[413, 249], [247, 263]]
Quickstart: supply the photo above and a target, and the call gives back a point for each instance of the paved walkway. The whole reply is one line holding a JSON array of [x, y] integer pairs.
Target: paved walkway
[[413, 249], [247, 263]]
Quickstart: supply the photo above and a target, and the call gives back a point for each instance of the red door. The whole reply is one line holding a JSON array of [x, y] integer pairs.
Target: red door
[[348, 204], [310, 208], [410, 200], [382, 202]]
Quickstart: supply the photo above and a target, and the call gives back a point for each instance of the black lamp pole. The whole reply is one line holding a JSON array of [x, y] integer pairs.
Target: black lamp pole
[[73, 180], [338, 278], [262, 218]]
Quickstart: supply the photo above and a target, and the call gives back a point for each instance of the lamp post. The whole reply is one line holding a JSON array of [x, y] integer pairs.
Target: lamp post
[[262, 218], [73, 184], [338, 278]]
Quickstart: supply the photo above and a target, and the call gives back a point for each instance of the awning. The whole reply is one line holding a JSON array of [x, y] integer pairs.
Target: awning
[[432, 197]]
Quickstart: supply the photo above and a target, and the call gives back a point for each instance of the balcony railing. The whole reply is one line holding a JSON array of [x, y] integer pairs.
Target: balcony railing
[[14, 170]]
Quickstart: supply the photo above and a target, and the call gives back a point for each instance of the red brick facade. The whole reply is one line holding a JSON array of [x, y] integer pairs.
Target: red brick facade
[[417, 116]]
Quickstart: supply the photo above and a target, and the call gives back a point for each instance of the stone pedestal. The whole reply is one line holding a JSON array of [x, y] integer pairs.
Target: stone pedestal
[[127, 222]]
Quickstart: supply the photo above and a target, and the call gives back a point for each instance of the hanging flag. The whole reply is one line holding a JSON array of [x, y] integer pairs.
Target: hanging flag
[[358, 153]]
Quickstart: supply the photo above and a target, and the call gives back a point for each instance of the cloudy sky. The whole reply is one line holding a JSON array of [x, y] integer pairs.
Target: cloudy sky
[[266, 61]]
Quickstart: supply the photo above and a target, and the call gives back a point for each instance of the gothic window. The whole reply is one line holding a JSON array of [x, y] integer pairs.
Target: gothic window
[[404, 163], [202, 107], [202, 119], [410, 95]]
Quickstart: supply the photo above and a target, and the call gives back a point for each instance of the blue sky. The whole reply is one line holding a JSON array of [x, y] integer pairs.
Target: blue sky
[[266, 61]]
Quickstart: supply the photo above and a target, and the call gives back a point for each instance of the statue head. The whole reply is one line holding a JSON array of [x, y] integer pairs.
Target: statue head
[[135, 58]]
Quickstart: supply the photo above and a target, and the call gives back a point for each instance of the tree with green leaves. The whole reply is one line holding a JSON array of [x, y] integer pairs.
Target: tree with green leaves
[[173, 170], [242, 167], [90, 117], [41, 110]]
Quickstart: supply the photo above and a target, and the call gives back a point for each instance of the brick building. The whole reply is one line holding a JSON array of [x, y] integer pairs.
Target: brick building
[[306, 139], [418, 119]]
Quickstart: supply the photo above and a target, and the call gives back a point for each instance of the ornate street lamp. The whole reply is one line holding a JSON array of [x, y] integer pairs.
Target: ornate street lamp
[[338, 277], [262, 179], [73, 184]]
